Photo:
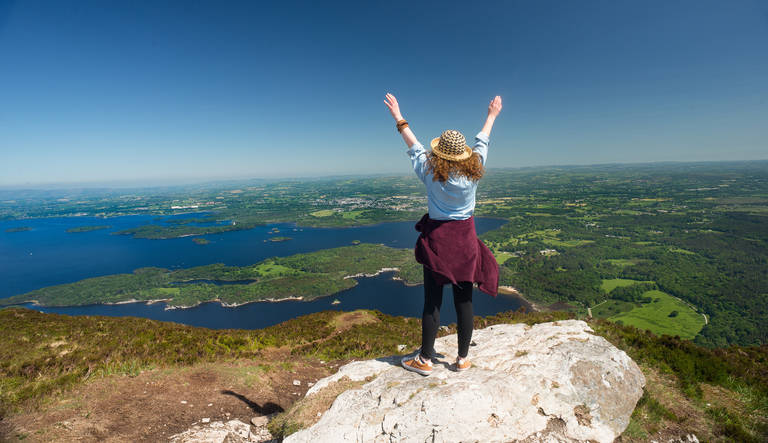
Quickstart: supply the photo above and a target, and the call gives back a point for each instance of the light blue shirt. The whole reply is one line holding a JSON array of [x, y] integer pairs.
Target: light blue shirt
[[454, 199]]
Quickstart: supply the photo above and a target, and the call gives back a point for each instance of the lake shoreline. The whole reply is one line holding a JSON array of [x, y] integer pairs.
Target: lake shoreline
[[504, 290], [529, 305], [216, 300]]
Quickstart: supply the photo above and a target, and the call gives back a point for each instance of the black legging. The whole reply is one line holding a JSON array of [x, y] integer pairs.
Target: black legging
[[430, 319]]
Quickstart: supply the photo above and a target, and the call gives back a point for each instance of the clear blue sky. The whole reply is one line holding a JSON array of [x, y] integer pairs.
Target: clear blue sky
[[133, 90]]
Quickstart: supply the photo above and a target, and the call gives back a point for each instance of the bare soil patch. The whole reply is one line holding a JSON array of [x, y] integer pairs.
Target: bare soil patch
[[346, 320], [158, 403]]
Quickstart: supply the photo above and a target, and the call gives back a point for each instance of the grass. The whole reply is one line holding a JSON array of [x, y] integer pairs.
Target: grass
[[550, 237], [623, 262], [626, 212], [611, 307], [502, 257], [609, 285], [568, 243], [269, 269], [682, 251], [323, 213], [655, 316], [352, 214]]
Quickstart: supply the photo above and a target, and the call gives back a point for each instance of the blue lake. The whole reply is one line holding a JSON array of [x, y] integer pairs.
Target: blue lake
[[48, 255], [389, 296]]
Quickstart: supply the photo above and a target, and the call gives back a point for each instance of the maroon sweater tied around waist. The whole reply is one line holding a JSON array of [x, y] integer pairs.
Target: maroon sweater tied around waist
[[451, 249]]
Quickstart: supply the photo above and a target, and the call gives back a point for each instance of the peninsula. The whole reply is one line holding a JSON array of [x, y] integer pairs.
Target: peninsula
[[301, 276]]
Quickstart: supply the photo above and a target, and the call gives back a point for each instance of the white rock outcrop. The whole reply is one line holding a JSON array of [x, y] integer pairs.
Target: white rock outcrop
[[551, 382], [232, 431]]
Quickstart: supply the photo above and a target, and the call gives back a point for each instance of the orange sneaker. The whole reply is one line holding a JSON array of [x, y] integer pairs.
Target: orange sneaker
[[462, 364], [416, 364]]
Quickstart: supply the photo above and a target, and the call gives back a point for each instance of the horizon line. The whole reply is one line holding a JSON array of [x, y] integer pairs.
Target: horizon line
[[173, 182]]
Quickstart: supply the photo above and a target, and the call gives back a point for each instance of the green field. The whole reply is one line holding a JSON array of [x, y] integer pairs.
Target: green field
[[610, 284], [655, 316], [352, 214], [622, 262], [323, 213], [681, 251], [568, 243], [501, 257], [269, 269]]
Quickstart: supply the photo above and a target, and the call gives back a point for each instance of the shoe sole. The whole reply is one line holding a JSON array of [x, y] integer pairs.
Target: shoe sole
[[412, 369], [458, 369]]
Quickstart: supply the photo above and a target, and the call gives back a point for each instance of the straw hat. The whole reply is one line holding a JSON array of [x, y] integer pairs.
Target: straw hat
[[451, 145]]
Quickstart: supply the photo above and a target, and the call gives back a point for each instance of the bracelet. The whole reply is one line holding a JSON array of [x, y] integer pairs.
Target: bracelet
[[401, 124]]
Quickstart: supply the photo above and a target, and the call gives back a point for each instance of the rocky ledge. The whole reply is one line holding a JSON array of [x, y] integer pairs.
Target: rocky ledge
[[554, 381]]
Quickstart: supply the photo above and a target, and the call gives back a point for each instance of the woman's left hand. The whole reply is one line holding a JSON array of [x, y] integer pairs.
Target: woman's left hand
[[394, 107]]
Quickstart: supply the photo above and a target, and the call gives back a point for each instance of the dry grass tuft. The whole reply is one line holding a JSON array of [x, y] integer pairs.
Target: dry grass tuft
[[307, 411]]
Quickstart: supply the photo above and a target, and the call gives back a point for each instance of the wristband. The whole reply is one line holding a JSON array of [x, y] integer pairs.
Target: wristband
[[401, 124]]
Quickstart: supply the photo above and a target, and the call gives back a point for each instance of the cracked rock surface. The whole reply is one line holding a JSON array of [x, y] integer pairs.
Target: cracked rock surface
[[553, 381]]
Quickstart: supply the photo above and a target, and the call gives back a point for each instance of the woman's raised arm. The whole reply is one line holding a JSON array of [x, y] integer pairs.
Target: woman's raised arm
[[394, 109], [493, 111]]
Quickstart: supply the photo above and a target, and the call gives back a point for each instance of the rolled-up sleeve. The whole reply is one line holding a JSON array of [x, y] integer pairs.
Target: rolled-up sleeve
[[481, 145], [418, 160]]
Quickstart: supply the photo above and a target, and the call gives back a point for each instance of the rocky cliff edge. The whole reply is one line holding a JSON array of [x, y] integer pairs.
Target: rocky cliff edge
[[555, 381]]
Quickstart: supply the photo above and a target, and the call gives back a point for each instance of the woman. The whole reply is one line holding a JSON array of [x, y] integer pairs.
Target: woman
[[448, 247]]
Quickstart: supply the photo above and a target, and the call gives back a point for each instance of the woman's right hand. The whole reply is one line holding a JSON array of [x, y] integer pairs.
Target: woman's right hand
[[394, 107], [495, 107]]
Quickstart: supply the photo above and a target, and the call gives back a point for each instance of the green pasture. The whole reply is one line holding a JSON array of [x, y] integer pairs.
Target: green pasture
[[322, 213], [622, 262], [550, 238], [567, 243], [609, 285], [611, 307], [352, 214], [272, 270], [681, 251], [158, 293], [654, 316], [502, 257]]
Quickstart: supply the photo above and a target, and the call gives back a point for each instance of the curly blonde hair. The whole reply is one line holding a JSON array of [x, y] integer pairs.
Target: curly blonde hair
[[442, 169]]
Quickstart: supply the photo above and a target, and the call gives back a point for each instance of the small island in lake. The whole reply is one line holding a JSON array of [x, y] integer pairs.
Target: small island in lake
[[201, 240], [157, 232], [279, 239], [87, 228], [19, 229]]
